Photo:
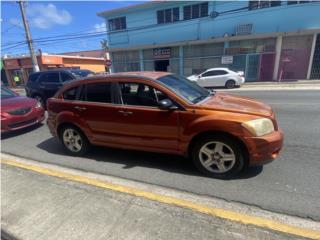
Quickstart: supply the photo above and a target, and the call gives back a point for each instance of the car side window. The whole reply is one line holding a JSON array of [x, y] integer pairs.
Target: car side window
[[214, 73], [208, 74], [71, 94], [65, 77], [33, 77], [50, 78], [220, 72], [139, 94], [98, 92]]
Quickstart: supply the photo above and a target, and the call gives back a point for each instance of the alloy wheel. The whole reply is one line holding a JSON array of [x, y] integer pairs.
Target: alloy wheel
[[72, 140], [217, 157]]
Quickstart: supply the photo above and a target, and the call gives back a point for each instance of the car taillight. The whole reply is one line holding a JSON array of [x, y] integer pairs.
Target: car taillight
[[241, 73]]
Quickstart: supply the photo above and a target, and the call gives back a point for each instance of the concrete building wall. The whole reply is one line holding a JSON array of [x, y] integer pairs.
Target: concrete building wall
[[276, 41]]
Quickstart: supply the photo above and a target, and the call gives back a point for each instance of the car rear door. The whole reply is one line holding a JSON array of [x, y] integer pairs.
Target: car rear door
[[97, 113]]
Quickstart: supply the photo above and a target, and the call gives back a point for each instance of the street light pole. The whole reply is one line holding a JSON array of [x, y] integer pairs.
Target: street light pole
[[28, 36]]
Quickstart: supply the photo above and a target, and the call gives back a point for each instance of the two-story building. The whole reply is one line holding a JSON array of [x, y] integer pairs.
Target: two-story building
[[268, 40]]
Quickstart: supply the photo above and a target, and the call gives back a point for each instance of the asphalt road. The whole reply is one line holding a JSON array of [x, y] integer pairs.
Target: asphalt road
[[291, 184]]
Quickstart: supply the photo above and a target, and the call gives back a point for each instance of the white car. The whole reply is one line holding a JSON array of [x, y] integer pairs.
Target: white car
[[219, 77]]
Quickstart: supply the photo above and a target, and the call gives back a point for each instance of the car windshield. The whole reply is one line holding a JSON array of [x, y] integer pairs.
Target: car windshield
[[81, 73], [185, 88], [6, 93]]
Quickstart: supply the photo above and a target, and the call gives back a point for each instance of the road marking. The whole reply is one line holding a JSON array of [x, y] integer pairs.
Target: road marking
[[216, 212]]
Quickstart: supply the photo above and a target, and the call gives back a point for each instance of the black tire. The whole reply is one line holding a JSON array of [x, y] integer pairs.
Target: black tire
[[238, 162], [83, 141], [230, 84], [41, 100]]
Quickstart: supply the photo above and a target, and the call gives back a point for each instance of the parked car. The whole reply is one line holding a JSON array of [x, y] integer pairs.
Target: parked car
[[18, 112], [162, 112], [81, 72], [219, 77], [43, 85]]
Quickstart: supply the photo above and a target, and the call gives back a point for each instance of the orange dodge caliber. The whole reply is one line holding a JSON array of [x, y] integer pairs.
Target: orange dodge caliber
[[166, 113]]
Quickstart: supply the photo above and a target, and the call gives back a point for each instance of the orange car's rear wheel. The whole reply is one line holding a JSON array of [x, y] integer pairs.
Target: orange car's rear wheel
[[218, 157]]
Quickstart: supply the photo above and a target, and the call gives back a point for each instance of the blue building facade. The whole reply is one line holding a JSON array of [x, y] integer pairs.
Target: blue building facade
[[268, 40]]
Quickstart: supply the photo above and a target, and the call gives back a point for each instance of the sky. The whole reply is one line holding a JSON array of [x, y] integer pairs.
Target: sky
[[52, 18]]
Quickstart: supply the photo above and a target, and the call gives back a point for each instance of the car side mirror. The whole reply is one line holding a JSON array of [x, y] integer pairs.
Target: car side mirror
[[199, 76], [167, 104]]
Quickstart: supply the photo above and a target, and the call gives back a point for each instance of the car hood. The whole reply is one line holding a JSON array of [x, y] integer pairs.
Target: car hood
[[17, 102], [233, 103], [193, 77]]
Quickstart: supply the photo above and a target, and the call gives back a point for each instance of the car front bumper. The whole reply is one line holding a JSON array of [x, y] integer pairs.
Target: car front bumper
[[16, 122], [264, 149]]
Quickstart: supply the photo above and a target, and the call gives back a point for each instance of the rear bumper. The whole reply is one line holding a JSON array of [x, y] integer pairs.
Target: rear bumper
[[15, 122], [264, 149]]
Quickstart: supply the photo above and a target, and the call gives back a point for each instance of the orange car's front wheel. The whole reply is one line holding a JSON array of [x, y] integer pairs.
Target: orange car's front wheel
[[218, 156]]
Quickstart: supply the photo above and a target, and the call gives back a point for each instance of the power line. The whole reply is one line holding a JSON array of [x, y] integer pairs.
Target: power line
[[86, 34]]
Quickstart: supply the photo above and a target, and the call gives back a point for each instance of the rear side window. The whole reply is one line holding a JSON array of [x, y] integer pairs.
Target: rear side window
[[33, 77], [98, 92], [50, 77], [71, 94]]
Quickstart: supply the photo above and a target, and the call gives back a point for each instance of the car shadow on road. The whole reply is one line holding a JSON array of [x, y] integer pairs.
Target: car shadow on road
[[20, 131], [130, 159]]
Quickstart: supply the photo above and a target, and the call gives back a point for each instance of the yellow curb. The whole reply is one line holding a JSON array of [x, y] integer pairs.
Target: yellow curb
[[216, 212]]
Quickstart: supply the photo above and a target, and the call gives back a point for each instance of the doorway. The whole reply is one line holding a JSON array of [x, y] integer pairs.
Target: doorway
[[161, 65]]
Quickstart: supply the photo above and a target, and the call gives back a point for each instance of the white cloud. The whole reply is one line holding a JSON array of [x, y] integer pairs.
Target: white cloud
[[44, 16], [100, 27], [16, 22]]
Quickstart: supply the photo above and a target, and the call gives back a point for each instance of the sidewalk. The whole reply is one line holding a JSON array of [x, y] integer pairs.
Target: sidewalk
[[272, 85], [36, 205]]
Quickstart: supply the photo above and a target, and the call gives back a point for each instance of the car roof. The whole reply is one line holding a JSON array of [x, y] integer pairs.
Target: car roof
[[149, 75], [211, 69], [145, 74], [52, 70]]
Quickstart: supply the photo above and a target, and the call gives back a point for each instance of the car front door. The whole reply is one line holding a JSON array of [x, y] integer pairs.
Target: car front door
[[49, 83], [144, 125]]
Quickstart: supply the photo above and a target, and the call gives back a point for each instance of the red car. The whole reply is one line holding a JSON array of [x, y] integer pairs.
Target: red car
[[18, 112]]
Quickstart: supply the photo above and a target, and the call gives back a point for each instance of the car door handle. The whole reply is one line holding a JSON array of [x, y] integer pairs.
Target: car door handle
[[80, 108], [125, 113]]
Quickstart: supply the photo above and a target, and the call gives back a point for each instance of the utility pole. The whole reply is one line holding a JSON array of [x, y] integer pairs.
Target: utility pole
[[28, 36]]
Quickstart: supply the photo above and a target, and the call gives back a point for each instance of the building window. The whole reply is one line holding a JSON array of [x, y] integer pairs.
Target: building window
[[263, 4], [117, 24], [168, 15], [296, 2], [195, 11]]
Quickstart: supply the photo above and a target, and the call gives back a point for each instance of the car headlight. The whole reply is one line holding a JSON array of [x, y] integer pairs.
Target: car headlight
[[259, 127], [38, 105]]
